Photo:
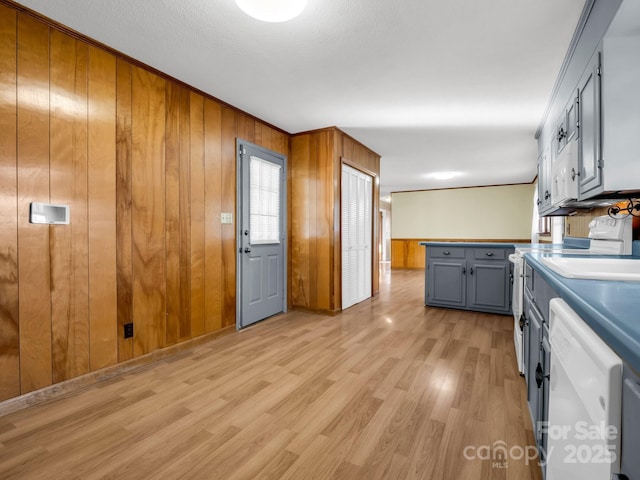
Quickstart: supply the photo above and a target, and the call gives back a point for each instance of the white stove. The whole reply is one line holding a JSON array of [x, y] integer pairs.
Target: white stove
[[609, 236]]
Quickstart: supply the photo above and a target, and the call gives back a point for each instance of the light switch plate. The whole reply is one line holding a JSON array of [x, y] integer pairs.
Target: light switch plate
[[226, 218]]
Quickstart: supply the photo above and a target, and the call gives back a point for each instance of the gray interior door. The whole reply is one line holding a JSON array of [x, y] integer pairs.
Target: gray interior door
[[262, 233]]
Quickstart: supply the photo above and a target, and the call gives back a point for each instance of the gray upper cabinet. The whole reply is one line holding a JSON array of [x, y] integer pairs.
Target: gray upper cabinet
[[596, 102], [621, 104], [567, 126], [589, 130], [544, 181], [565, 135], [469, 278], [571, 121]]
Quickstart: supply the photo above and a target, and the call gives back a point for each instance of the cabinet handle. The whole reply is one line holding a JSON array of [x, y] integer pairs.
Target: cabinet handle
[[538, 202], [574, 174], [540, 376], [546, 194], [471, 270], [446, 253], [523, 322], [464, 270], [489, 254]]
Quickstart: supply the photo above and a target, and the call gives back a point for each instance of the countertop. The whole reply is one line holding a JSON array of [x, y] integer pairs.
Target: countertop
[[610, 308], [468, 244]]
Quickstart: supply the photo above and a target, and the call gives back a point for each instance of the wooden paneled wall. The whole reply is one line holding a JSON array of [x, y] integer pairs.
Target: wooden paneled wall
[[315, 167], [146, 165], [578, 225], [407, 253]]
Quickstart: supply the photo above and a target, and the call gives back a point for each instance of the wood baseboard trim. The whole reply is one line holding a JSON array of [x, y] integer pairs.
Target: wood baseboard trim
[[328, 313], [74, 384]]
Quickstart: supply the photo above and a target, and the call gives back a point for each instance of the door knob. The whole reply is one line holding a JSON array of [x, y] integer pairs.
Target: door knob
[[247, 250]]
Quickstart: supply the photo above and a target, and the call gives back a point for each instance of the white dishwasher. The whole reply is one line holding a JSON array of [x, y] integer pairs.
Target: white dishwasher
[[585, 400]]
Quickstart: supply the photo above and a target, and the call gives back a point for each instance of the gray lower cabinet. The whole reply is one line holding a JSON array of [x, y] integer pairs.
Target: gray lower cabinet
[[446, 282], [537, 353], [537, 296], [469, 278], [489, 286], [534, 367], [630, 438]]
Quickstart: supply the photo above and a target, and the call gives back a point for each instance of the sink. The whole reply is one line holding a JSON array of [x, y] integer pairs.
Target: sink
[[595, 268]]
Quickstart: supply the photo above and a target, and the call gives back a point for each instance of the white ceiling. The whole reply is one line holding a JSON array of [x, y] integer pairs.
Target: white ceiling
[[455, 85]]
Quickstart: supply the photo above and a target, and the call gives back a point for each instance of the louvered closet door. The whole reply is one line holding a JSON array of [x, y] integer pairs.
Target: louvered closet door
[[356, 236]]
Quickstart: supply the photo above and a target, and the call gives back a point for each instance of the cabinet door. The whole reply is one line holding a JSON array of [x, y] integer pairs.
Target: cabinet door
[[545, 357], [525, 337], [534, 363], [630, 424], [446, 283], [544, 181], [572, 120], [489, 286], [560, 137], [589, 131]]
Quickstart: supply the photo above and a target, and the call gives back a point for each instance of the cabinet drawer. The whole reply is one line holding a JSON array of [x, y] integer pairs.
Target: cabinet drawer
[[445, 252], [489, 253]]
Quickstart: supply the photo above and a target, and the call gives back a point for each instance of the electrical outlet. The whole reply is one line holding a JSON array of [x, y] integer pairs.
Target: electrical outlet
[[128, 330], [226, 218]]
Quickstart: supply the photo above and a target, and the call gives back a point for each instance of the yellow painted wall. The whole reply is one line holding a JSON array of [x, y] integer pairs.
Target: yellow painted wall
[[500, 212]]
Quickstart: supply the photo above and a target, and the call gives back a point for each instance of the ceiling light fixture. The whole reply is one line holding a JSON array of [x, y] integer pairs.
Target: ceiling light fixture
[[272, 10], [443, 175]]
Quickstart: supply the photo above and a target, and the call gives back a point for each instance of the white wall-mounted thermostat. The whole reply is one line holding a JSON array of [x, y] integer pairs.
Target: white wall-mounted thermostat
[[49, 214]]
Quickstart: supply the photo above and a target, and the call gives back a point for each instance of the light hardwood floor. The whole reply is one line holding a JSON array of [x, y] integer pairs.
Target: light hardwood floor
[[388, 390]]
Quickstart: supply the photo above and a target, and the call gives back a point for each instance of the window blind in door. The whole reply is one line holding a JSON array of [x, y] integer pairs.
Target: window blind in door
[[264, 201]]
